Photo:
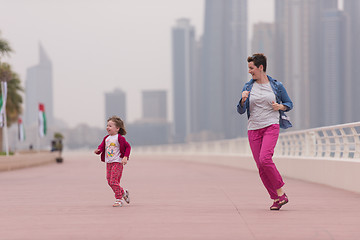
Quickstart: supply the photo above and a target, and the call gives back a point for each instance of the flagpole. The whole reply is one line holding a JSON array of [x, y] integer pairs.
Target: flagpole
[[5, 122], [38, 135], [38, 140]]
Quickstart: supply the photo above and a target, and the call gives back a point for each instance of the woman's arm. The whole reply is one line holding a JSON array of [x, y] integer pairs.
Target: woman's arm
[[241, 107], [285, 99]]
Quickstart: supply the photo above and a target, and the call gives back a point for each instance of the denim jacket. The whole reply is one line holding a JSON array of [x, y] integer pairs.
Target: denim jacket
[[281, 97]]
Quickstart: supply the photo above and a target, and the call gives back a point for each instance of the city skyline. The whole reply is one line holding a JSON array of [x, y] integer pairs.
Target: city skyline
[[208, 73], [91, 67], [309, 46]]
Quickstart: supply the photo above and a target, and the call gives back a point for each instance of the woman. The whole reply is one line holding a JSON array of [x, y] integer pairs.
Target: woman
[[265, 101]]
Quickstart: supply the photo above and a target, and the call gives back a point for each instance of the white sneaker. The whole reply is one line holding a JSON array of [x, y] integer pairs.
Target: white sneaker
[[126, 196], [118, 203]]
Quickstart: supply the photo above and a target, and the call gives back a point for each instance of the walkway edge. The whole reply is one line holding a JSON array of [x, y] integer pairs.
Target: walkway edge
[[25, 160], [339, 174]]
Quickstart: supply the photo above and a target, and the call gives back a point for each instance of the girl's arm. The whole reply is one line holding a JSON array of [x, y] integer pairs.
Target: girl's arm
[[100, 147], [124, 145], [127, 149], [124, 160]]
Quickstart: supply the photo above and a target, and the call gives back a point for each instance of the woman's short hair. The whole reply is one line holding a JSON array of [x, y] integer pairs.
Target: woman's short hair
[[258, 59]]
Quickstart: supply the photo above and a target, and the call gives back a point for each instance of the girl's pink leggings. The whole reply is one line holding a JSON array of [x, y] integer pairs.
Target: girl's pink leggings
[[113, 175], [262, 143]]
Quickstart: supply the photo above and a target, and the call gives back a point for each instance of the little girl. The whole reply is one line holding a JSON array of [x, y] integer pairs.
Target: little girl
[[115, 151]]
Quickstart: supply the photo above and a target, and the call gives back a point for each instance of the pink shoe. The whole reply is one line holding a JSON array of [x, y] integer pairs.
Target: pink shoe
[[275, 206], [283, 200]]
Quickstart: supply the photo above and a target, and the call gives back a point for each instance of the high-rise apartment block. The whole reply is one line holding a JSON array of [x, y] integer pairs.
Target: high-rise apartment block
[[263, 42], [184, 81], [224, 66], [208, 74], [153, 128], [334, 76], [115, 104], [299, 57], [39, 89], [352, 19], [154, 105]]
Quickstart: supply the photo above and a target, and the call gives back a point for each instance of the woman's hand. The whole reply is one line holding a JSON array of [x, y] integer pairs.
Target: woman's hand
[[244, 96], [276, 106]]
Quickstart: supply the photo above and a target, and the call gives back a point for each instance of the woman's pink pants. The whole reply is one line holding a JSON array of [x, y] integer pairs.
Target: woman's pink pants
[[262, 143]]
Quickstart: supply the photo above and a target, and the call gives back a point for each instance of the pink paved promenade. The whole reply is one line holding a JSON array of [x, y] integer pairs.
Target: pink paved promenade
[[170, 199]]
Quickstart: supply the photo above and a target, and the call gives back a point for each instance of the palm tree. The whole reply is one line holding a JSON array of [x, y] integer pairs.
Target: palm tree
[[5, 48], [14, 99]]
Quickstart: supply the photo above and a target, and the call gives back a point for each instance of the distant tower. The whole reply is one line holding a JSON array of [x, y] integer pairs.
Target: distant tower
[[351, 10], [263, 42], [115, 104], [183, 44], [298, 57], [333, 69], [224, 66], [39, 88], [154, 105]]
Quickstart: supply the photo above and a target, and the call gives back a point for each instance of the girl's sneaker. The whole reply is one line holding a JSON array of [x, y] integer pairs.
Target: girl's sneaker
[[126, 196], [118, 203]]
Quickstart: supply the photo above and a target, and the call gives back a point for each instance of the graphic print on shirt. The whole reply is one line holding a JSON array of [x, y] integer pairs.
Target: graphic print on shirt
[[112, 149]]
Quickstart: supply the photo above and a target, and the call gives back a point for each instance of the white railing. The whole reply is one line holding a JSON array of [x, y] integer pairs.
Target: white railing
[[333, 142], [339, 141]]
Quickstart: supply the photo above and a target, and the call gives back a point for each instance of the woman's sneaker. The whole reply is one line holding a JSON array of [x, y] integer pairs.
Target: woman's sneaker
[[126, 196], [118, 203]]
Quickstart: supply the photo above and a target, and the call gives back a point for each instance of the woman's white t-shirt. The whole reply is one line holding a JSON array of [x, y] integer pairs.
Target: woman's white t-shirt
[[112, 149], [261, 112]]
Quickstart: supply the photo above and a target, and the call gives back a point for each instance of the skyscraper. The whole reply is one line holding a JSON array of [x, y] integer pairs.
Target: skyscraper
[[263, 42], [154, 105], [153, 128], [183, 44], [333, 66], [39, 88], [224, 66], [115, 104], [298, 56], [352, 10]]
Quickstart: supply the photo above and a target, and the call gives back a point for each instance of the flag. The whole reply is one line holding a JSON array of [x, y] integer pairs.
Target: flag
[[21, 130], [3, 103], [42, 120]]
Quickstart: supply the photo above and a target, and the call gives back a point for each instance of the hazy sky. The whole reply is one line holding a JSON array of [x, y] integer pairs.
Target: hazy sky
[[98, 45]]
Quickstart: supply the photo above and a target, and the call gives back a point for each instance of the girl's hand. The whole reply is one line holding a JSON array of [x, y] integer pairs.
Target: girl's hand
[[97, 151], [124, 160]]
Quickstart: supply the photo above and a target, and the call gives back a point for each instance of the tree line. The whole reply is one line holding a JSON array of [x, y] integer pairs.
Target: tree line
[[14, 99]]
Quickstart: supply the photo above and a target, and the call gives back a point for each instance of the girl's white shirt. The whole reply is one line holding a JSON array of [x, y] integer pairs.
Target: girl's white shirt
[[112, 149]]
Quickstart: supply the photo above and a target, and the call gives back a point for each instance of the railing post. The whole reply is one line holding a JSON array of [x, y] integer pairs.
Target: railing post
[[310, 142]]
